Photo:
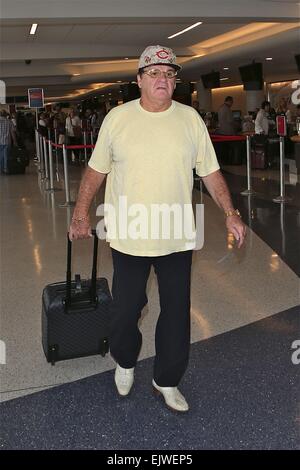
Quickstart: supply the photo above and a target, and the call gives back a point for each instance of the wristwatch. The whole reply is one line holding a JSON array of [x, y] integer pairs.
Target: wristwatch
[[232, 212]]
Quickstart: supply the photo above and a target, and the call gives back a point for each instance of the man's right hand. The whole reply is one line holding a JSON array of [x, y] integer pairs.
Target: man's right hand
[[80, 228]]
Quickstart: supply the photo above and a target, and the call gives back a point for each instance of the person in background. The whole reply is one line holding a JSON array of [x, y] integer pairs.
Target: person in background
[[248, 124], [87, 118], [272, 114], [225, 117], [101, 115], [60, 123], [88, 114], [95, 125], [7, 137], [295, 124], [282, 106], [73, 133], [43, 125], [14, 119], [262, 119], [207, 119], [147, 148]]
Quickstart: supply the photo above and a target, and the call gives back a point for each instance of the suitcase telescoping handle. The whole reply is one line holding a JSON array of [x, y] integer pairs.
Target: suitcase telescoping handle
[[93, 295]]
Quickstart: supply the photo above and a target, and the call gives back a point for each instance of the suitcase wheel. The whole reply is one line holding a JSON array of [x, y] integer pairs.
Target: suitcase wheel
[[104, 347], [52, 354]]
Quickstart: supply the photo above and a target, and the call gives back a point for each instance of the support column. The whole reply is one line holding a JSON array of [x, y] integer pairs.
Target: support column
[[204, 97], [254, 99]]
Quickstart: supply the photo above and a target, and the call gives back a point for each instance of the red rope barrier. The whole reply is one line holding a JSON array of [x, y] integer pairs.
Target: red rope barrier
[[227, 138], [56, 145], [89, 146]]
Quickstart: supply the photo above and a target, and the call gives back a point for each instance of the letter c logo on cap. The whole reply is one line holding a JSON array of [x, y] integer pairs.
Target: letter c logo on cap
[[162, 54]]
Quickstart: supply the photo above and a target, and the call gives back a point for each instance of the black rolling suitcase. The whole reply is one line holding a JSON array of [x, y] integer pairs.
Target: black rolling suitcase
[[16, 160], [22, 148], [75, 314], [259, 152], [273, 151]]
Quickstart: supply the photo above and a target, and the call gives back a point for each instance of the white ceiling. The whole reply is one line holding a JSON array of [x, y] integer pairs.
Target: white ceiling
[[91, 38]]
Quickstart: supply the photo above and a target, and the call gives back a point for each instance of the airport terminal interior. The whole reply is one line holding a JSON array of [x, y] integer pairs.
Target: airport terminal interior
[[74, 61]]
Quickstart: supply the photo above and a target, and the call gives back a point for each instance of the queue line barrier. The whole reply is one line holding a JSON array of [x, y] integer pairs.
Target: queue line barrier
[[46, 162], [44, 152], [282, 198], [217, 138]]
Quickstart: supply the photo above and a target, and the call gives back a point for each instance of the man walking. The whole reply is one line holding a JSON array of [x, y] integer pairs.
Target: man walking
[[147, 149]]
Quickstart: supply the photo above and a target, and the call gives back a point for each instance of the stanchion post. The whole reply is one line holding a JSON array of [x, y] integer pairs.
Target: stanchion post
[[51, 188], [84, 143], [51, 166], [282, 227], [281, 197], [249, 190], [37, 146], [68, 202], [42, 160], [56, 154], [282, 186], [45, 158]]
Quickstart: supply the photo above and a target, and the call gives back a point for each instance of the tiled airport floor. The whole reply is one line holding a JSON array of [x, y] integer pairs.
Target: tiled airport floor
[[277, 224], [242, 388], [244, 313], [269, 174], [230, 287]]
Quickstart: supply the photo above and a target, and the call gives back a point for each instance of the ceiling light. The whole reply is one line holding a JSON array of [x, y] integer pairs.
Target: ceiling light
[[76, 74], [185, 30], [33, 28], [225, 78], [225, 68], [269, 58]]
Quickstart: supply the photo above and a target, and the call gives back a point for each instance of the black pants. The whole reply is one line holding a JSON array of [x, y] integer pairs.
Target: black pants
[[172, 334]]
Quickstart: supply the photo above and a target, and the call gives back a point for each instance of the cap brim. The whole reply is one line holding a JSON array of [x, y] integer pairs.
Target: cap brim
[[175, 66]]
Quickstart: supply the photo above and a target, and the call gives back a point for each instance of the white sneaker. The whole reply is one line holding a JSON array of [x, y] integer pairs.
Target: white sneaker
[[173, 398], [124, 380]]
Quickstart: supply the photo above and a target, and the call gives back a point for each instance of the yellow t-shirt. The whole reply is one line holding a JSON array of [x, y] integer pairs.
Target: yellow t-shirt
[[149, 159]]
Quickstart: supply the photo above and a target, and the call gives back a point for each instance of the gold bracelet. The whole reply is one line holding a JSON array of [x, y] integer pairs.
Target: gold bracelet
[[232, 212], [80, 219]]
